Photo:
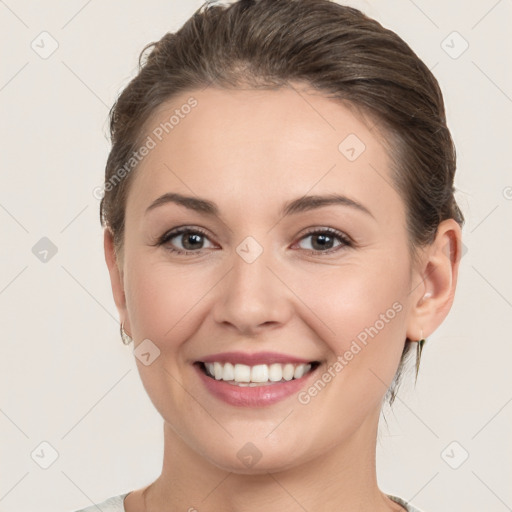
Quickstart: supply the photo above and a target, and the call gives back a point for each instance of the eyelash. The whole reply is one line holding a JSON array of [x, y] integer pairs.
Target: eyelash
[[346, 242]]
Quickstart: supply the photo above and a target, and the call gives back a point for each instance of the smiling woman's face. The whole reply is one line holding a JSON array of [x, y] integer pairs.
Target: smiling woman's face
[[249, 282]]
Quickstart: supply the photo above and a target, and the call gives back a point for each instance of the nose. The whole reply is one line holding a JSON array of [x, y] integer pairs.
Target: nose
[[252, 298]]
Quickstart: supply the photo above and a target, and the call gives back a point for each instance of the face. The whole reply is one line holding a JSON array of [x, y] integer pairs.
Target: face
[[265, 243]]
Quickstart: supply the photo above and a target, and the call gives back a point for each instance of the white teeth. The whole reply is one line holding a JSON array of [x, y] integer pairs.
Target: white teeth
[[242, 373], [299, 372], [275, 372], [228, 372], [251, 376], [218, 371], [259, 373], [288, 371]]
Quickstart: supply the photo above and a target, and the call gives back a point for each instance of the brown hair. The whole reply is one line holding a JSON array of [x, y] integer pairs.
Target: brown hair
[[336, 50]]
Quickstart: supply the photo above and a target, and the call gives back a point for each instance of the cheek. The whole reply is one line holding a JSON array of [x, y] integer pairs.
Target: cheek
[[362, 307], [164, 306], [163, 299]]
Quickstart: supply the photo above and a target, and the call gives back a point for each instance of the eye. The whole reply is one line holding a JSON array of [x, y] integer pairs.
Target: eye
[[324, 240], [185, 240]]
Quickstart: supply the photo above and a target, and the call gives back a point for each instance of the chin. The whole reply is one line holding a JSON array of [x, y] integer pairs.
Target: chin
[[248, 458]]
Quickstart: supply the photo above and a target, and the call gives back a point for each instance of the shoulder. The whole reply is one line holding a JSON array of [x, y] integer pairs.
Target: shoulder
[[113, 504], [404, 504]]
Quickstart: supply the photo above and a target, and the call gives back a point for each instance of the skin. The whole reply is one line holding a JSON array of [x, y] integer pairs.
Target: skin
[[250, 152]]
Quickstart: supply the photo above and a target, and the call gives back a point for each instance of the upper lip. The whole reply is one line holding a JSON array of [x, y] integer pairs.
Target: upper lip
[[255, 358]]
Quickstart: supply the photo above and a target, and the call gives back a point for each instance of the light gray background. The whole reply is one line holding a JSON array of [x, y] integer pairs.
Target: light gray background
[[66, 378]]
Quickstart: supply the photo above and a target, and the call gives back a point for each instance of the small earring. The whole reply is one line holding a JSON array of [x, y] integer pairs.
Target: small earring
[[419, 350], [125, 337]]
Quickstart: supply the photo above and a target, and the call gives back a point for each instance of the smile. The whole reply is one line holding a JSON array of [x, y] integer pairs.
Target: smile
[[244, 375], [260, 379]]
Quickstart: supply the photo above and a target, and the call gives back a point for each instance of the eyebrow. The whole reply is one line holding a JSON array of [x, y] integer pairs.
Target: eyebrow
[[307, 203], [192, 203], [302, 204]]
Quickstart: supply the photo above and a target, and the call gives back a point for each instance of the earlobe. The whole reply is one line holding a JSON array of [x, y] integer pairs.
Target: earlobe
[[116, 275], [436, 279]]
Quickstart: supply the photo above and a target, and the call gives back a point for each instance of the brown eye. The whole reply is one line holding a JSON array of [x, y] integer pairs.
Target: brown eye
[[323, 241], [185, 239], [191, 241]]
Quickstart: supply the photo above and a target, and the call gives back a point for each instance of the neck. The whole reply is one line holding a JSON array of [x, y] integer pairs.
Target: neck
[[342, 479]]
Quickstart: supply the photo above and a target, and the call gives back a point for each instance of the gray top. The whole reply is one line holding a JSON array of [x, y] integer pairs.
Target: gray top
[[116, 504]]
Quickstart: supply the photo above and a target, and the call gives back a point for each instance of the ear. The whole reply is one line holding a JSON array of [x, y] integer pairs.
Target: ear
[[435, 280], [116, 274]]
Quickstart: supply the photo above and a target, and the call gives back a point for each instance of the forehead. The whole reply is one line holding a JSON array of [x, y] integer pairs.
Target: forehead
[[249, 144]]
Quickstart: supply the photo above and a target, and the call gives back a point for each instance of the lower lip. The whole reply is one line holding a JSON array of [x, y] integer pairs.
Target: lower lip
[[257, 396]]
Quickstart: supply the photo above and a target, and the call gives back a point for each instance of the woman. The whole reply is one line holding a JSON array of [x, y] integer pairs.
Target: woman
[[280, 231]]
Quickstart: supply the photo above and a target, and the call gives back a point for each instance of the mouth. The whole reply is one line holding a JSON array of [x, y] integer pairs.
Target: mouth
[[244, 375]]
